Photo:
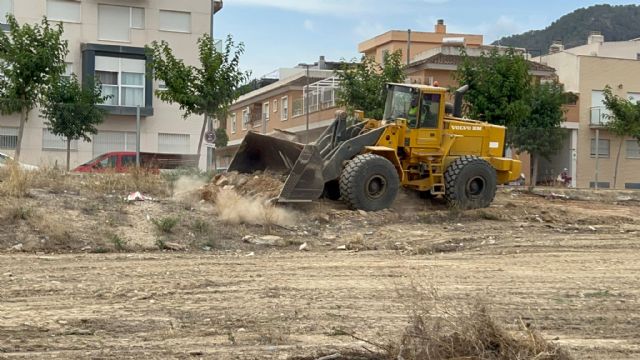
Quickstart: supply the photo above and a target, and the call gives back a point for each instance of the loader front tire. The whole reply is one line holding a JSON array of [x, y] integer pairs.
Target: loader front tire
[[369, 182], [470, 183]]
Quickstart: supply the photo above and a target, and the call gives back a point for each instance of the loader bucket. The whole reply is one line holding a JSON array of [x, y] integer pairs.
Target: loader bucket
[[302, 163]]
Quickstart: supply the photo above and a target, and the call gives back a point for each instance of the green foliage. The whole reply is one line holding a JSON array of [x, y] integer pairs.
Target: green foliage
[[166, 224], [72, 111], [541, 133], [31, 60], [200, 227], [499, 87], [625, 115], [617, 23], [363, 85], [624, 120], [222, 139], [119, 243], [208, 89]]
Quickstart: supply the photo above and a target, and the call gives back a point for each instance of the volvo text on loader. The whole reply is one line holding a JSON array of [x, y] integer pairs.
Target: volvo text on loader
[[421, 143]]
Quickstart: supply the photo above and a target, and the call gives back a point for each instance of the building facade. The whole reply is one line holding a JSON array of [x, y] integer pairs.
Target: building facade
[[586, 71], [106, 40], [282, 106]]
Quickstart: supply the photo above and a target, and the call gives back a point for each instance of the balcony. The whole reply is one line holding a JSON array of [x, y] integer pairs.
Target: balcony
[[600, 117], [321, 95]]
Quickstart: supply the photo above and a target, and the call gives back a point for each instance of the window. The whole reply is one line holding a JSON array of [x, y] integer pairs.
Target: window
[[122, 79], [284, 114], [68, 70], [633, 149], [55, 142], [234, 124], [108, 162], [6, 8], [128, 160], [634, 97], [177, 21], [108, 141], [64, 10], [265, 111], [603, 149], [8, 137], [275, 106], [245, 119], [115, 22], [162, 86], [174, 143]]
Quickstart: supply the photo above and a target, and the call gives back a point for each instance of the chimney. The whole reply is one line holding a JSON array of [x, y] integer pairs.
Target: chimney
[[441, 28], [556, 47], [322, 64], [595, 37]]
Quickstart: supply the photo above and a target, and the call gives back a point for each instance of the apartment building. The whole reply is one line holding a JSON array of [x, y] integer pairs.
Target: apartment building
[[585, 71], [106, 40], [281, 105]]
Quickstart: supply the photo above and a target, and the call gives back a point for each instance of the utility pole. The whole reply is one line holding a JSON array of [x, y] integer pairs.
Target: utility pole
[[408, 47], [216, 5]]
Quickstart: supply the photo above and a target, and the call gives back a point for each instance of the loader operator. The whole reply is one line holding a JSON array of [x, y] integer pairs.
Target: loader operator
[[412, 116]]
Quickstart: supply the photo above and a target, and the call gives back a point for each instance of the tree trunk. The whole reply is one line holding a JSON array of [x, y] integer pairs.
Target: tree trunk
[[68, 153], [534, 172], [204, 126], [23, 120], [615, 171]]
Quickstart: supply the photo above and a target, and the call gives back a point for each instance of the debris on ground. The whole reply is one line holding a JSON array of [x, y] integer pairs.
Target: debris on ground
[[259, 184]]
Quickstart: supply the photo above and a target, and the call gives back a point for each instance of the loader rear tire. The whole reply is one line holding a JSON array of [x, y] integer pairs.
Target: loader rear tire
[[369, 182], [470, 183]]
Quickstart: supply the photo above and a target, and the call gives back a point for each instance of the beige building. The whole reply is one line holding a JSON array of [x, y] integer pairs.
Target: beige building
[[414, 43], [280, 104], [586, 71], [107, 39]]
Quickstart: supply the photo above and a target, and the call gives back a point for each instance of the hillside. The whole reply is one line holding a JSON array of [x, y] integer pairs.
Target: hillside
[[616, 23]]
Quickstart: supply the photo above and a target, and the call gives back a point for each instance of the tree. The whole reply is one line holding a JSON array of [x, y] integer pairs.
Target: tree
[[206, 90], [541, 134], [31, 59], [502, 92], [222, 139], [624, 120], [72, 111], [499, 87], [362, 85]]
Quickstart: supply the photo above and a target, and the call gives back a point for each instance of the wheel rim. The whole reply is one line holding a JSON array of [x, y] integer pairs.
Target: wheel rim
[[475, 186], [375, 187]]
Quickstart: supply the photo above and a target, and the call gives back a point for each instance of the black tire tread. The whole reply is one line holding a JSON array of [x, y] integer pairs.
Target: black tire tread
[[348, 179], [451, 176]]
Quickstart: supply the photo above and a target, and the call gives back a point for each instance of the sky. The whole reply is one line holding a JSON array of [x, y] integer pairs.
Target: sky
[[284, 33]]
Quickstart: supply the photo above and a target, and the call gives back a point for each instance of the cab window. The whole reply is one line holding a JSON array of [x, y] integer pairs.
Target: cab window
[[430, 111], [108, 162], [128, 160]]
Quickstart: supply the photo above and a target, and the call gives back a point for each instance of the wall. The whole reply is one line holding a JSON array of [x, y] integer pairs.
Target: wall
[[167, 118], [595, 74]]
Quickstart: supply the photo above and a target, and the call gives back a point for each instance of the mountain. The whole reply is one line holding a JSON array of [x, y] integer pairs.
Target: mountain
[[616, 23]]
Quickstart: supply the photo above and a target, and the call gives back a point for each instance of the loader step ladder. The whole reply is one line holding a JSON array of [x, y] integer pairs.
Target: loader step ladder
[[437, 174], [436, 166]]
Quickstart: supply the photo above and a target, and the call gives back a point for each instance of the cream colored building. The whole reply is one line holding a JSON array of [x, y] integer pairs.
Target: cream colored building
[[107, 39], [586, 71]]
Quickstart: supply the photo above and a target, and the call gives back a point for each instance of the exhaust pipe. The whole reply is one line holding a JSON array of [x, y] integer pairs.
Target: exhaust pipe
[[457, 104]]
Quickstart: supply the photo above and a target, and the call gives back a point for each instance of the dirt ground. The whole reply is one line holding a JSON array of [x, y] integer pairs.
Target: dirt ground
[[568, 267]]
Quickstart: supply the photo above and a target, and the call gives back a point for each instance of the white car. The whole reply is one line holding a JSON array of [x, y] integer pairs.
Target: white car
[[4, 159]]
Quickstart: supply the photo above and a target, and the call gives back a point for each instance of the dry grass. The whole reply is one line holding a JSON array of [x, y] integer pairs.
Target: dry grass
[[440, 329], [14, 181]]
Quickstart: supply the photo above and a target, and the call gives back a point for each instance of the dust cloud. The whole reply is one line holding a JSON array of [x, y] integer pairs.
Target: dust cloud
[[234, 208], [186, 188]]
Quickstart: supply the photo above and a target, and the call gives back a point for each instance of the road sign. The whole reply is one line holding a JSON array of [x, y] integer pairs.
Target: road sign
[[210, 146], [210, 137]]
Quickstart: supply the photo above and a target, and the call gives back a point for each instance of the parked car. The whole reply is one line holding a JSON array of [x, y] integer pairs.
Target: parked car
[[121, 161], [5, 159]]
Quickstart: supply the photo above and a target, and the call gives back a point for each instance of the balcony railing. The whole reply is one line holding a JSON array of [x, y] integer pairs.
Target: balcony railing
[[321, 95], [600, 116]]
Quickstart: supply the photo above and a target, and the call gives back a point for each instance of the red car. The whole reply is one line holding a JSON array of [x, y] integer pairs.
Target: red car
[[121, 161]]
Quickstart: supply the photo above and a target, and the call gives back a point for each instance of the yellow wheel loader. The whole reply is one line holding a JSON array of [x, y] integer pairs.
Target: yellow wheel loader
[[421, 143]]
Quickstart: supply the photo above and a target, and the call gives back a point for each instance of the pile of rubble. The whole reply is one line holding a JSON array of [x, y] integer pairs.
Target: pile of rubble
[[258, 184]]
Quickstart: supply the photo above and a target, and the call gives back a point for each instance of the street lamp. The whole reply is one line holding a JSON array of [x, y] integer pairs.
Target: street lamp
[[216, 5]]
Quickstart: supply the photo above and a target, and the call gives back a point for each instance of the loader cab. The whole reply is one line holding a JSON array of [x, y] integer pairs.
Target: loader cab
[[423, 109], [421, 106]]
